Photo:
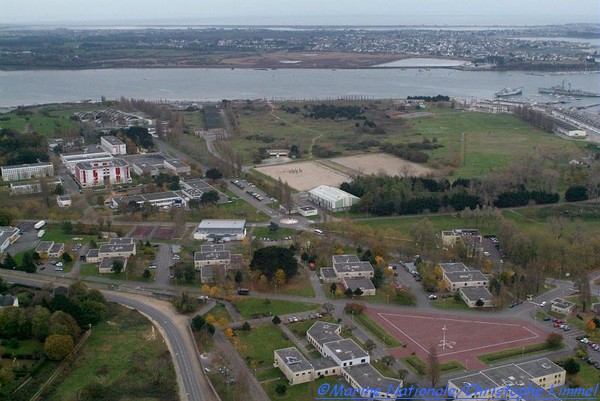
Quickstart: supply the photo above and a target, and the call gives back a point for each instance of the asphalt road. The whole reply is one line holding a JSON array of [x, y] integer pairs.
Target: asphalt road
[[193, 383]]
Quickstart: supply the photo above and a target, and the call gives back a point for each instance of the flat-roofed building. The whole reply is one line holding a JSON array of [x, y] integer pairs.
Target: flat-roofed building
[[331, 198], [562, 306], [328, 275], [364, 283], [221, 230], [449, 237], [106, 265], [345, 352], [63, 200], [56, 250], [472, 278], [207, 274], [307, 211], [373, 384], [158, 199], [325, 366], [97, 173], [113, 145], [477, 297], [27, 171], [43, 249], [177, 166], [217, 258], [92, 256], [212, 248], [8, 235], [354, 269], [322, 332], [294, 365], [33, 187], [116, 250], [120, 241], [453, 267], [538, 376], [70, 160]]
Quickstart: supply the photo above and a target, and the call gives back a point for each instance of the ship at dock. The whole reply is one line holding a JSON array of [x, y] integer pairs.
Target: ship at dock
[[562, 91], [506, 92]]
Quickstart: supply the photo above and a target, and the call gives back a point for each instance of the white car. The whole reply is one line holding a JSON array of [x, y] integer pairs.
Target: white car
[[432, 297], [543, 304], [486, 254]]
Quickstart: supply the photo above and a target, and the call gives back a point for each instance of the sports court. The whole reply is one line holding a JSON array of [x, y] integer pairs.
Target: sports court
[[142, 232], [456, 338]]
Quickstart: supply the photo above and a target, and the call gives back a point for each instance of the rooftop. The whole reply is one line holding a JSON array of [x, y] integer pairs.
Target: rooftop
[[220, 255], [475, 293], [88, 165], [41, 164], [295, 361], [92, 253], [353, 267], [208, 224], [469, 276], [116, 248], [358, 282], [328, 272], [44, 246], [106, 263], [7, 232], [540, 367], [453, 267], [307, 208], [331, 194], [323, 363], [562, 303], [120, 241], [366, 376], [206, 271], [212, 248], [176, 163], [346, 349], [324, 332], [57, 247], [113, 140], [345, 259]]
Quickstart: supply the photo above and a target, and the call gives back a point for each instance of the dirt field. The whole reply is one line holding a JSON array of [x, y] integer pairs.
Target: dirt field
[[305, 175], [142, 232], [466, 337], [375, 163]]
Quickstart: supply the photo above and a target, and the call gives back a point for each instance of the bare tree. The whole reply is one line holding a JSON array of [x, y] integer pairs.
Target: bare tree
[[433, 366]]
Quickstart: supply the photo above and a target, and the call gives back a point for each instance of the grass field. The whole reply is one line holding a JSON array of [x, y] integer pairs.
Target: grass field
[[504, 355], [250, 307], [257, 345], [451, 303], [134, 272], [366, 322], [124, 359], [588, 376], [487, 141], [299, 285]]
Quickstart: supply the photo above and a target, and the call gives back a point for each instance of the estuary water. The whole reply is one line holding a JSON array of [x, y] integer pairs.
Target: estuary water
[[201, 84]]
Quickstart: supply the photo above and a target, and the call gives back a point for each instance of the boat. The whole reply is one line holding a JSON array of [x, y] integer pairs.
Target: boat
[[505, 92], [562, 91]]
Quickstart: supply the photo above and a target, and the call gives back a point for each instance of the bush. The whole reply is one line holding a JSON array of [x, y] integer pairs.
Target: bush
[[576, 193], [281, 389], [571, 366]]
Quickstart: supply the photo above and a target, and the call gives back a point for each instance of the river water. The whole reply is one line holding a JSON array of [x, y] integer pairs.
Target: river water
[[198, 84]]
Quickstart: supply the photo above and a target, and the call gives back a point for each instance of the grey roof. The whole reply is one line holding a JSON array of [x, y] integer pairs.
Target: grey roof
[[294, 359], [324, 332], [113, 140], [470, 276], [540, 367], [453, 267], [330, 194], [222, 255], [56, 247], [212, 225], [323, 363], [358, 282], [120, 241], [176, 163], [116, 248], [307, 208], [508, 375], [7, 232], [345, 259], [92, 253], [7, 300], [473, 380], [89, 165], [353, 267], [41, 164], [106, 263], [328, 272], [44, 246], [475, 293], [562, 303], [212, 248], [206, 271], [64, 197], [366, 376], [346, 349]]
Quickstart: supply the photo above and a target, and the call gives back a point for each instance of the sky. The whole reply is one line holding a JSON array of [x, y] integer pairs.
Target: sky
[[299, 12]]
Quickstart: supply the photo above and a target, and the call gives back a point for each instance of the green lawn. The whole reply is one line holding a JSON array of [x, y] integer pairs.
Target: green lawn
[[282, 232], [367, 323], [418, 366], [133, 273], [588, 376], [123, 358], [298, 392], [257, 345], [450, 303], [300, 285], [220, 312], [504, 355], [250, 307]]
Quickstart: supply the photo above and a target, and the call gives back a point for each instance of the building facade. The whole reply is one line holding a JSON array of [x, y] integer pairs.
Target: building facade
[[27, 171], [221, 230], [331, 198], [98, 173], [113, 145]]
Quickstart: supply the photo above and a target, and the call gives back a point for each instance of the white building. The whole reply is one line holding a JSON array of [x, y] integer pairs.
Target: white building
[[177, 166], [27, 171], [113, 145], [70, 161], [332, 199], [97, 173], [33, 187], [158, 199], [221, 230], [346, 352], [307, 211], [8, 235]]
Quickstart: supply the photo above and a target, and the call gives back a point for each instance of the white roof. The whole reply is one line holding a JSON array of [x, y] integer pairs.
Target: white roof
[[331, 194], [222, 224]]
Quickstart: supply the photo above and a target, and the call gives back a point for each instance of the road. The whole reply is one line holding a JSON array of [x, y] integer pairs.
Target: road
[[193, 384]]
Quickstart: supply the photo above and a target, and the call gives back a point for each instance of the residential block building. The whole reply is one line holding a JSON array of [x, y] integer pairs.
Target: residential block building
[[113, 145], [27, 171], [97, 173]]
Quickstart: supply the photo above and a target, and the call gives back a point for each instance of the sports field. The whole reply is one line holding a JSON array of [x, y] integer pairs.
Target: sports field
[[305, 175], [465, 337]]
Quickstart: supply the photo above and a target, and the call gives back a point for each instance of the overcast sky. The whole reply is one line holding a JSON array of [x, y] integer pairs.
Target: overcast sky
[[299, 12]]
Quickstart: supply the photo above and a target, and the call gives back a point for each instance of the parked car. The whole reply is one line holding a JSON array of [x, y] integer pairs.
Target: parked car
[[543, 304], [432, 297]]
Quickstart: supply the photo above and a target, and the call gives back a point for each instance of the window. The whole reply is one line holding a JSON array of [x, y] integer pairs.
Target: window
[[363, 360], [344, 363]]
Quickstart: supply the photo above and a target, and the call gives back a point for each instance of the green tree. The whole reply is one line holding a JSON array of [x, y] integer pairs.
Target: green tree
[[267, 260], [64, 324], [457, 297], [184, 303], [479, 303], [198, 322], [40, 322], [358, 292], [554, 340], [66, 257], [281, 389], [333, 288], [9, 262], [28, 265], [67, 227], [276, 320], [209, 197], [146, 273], [117, 265], [571, 366], [238, 277], [273, 227], [348, 292], [189, 273], [378, 277], [58, 346], [214, 174], [369, 345], [388, 360], [246, 326]]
